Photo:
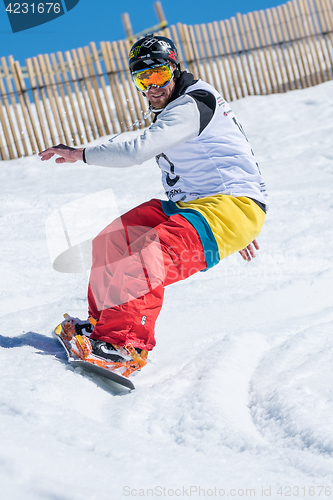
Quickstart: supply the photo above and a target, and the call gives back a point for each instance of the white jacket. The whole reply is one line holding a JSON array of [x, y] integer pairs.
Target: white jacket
[[198, 144]]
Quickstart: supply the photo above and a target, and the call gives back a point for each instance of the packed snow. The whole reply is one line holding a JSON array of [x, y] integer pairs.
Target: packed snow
[[237, 398]]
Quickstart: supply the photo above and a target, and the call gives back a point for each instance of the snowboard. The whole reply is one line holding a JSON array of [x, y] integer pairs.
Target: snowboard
[[90, 367]]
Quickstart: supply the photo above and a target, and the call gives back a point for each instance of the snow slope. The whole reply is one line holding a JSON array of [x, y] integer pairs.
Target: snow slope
[[237, 399]]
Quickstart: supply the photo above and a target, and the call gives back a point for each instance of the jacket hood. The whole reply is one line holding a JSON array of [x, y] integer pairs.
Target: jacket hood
[[182, 83]]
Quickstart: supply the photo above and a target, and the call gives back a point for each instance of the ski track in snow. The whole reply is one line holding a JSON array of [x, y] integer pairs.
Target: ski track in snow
[[237, 394]]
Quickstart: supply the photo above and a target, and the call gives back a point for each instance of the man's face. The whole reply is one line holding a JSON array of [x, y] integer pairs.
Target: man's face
[[158, 97]]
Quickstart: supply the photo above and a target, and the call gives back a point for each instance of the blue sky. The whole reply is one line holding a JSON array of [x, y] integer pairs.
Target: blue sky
[[100, 20]]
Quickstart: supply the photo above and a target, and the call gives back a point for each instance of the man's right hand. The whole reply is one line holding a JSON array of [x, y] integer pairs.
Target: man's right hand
[[66, 154], [249, 253]]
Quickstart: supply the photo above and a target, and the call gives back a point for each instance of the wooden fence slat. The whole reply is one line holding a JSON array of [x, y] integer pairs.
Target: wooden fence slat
[[328, 9], [250, 46], [33, 132], [54, 69], [137, 115], [10, 121], [247, 52], [14, 105], [189, 48], [312, 30], [25, 104], [325, 64], [295, 43], [303, 49], [102, 83], [68, 88], [3, 151], [236, 57], [95, 121], [142, 101], [111, 72], [223, 59], [54, 101], [209, 51], [117, 57], [225, 41], [270, 66], [260, 51], [79, 95], [277, 49], [42, 91], [307, 49], [81, 91], [87, 57], [242, 56], [63, 116], [287, 58], [198, 68], [272, 53], [189, 43], [311, 54], [203, 56], [174, 36], [37, 101], [216, 58], [290, 47], [320, 41], [323, 25], [129, 115], [112, 59], [9, 114], [329, 20]]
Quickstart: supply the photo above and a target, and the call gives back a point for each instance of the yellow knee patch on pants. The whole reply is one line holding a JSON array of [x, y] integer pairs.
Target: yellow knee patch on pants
[[235, 222]]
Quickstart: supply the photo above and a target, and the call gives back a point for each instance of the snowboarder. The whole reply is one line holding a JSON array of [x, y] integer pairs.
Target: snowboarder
[[216, 205]]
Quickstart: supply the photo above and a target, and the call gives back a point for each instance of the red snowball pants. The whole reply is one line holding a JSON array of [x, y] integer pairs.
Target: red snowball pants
[[134, 258]]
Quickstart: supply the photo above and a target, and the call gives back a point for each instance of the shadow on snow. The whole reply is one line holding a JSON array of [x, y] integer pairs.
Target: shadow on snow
[[51, 347]]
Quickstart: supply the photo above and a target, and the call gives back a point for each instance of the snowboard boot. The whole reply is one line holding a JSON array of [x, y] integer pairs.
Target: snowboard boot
[[74, 326], [121, 359], [75, 334]]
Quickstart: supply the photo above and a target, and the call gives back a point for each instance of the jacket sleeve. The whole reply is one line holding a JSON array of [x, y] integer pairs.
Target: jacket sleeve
[[177, 123]]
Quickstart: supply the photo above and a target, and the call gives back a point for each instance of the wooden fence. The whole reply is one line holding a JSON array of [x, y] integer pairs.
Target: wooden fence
[[86, 93]]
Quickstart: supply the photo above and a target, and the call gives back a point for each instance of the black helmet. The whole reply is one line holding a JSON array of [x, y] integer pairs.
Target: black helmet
[[152, 50]]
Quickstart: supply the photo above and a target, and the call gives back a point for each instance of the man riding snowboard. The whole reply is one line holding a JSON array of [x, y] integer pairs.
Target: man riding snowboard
[[216, 205]]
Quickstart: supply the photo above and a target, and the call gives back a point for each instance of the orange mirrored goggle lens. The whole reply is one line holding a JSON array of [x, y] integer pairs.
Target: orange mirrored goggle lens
[[159, 76]]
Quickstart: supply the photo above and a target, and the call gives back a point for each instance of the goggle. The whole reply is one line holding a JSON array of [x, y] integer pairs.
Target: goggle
[[159, 76]]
